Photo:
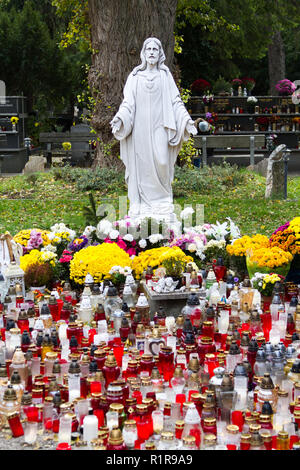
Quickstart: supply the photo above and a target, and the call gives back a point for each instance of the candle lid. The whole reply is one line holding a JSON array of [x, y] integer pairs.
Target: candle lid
[[110, 360], [232, 429], [209, 439], [9, 394], [115, 437], [178, 372], [118, 407], [189, 440], [167, 436]]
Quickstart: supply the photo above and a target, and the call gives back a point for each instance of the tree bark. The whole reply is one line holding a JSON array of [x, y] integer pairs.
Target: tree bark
[[276, 59], [118, 30]]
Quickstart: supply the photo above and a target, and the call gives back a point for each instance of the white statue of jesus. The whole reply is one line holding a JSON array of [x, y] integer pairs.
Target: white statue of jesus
[[151, 124]]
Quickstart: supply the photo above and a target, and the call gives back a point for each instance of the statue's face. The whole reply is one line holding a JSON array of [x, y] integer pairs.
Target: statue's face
[[152, 53]]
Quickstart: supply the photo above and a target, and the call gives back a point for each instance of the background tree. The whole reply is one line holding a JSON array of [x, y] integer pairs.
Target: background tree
[[32, 64]]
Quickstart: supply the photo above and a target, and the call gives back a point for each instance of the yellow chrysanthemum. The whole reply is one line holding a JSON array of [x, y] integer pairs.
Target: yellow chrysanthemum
[[270, 257], [156, 256], [246, 244], [97, 261]]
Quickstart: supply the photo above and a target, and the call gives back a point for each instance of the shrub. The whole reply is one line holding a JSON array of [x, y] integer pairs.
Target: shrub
[[208, 179]]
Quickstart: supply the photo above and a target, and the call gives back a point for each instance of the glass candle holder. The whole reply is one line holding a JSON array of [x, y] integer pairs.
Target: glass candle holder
[[158, 421], [130, 434], [30, 432], [112, 419]]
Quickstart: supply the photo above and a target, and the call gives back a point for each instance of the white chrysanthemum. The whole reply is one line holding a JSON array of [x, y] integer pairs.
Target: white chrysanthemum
[[142, 243], [192, 247], [89, 230], [104, 226], [128, 238], [155, 238], [113, 234], [51, 235], [115, 269], [49, 248]]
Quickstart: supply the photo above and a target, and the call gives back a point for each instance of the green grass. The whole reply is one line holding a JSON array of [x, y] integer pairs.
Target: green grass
[[41, 200]]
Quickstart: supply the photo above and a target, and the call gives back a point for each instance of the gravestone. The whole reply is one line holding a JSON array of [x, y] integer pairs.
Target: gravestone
[[79, 149], [35, 163], [2, 92], [275, 174], [260, 168]]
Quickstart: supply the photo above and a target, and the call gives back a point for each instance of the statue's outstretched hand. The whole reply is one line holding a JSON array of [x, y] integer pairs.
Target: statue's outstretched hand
[[191, 128], [115, 124]]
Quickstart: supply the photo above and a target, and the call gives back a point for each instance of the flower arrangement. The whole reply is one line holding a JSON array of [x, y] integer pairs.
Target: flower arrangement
[[119, 273], [248, 83], [264, 283], [208, 99], [285, 87], [245, 244], [200, 86], [32, 239], [60, 237], [37, 257], [97, 261], [251, 100], [78, 243], [127, 243], [287, 237], [155, 257], [174, 267], [236, 83], [14, 120], [66, 146], [271, 257], [262, 121]]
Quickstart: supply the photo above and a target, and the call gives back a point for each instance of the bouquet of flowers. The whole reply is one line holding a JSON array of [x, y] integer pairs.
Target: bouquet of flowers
[[248, 83], [97, 261], [251, 100], [14, 120], [208, 99], [155, 257], [200, 86], [264, 283], [66, 145], [119, 273], [32, 239], [287, 237], [236, 83], [285, 87]]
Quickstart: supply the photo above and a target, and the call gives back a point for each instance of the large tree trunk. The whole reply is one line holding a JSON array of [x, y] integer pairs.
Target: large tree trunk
[[118, 30], [276, 58]]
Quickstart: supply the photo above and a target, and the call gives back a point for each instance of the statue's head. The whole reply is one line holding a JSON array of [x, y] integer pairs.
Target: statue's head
[[153, 53]]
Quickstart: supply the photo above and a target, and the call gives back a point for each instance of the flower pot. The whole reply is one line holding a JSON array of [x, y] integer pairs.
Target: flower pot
[[41, 289]]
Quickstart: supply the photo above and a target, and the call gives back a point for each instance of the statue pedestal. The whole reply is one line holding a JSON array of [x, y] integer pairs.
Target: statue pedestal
[[172, 302]]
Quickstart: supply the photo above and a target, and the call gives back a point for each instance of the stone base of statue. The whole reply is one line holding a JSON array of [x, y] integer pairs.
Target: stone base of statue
[[171, 302]]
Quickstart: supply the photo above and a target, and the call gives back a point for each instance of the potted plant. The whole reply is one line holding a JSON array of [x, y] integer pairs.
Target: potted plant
[[174, 267], [221, 87], [285, 87], [38, 275]]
